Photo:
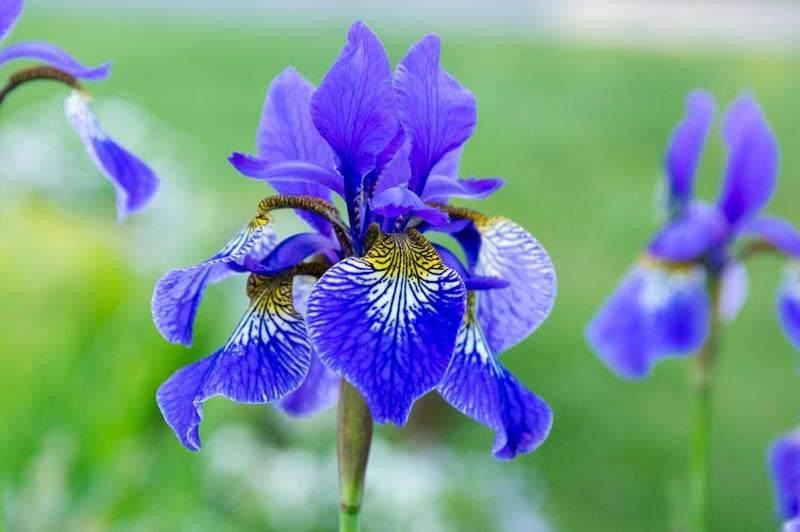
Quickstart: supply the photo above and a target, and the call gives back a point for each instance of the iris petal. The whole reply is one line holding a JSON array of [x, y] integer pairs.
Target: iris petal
[[438, 114], [55, 57], [354, 107], [397, 172], [449, 163], [387, 322], [178, 293], [508, 315], [784, 464], [733, 290], [320, 389], [266, 358], [751, 170], [654, 312], [690, 235], [440, 188], [480, 387], [397, 201], [296, 249], [789, 304], [775, 231], [293, 175], [286, 132], [134, 182], [10, 10], [686, 145]]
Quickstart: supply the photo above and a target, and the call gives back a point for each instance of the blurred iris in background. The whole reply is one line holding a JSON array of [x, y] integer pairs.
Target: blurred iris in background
[[134, 182], [663, 307], [784, 465], [365, 296]]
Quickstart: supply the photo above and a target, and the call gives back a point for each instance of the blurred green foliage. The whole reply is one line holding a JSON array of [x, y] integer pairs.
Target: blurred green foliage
[[577, 131]]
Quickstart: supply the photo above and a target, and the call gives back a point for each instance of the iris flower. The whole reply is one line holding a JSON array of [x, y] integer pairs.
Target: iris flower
[[784, 465], [365, 296], [134, 182], [663, 306]]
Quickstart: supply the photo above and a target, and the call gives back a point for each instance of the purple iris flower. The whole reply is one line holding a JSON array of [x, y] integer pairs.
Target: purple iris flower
[[662, 307], [364, 296], [783, 461], [134, 182]]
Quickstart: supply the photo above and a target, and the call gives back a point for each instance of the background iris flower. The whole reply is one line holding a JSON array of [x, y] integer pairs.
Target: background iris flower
[[663, 305], [369, 300], [691, 277], [134, 182]]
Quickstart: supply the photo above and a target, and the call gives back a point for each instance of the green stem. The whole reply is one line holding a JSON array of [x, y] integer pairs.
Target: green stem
[[701, 394], [354, 439]]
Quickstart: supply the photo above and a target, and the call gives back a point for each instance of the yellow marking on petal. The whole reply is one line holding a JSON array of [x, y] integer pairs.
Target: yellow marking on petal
[[272, 293], [407, 255]]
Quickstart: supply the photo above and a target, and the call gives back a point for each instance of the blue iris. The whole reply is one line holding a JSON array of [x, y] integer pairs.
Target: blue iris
[[364, 296], [663, 307]]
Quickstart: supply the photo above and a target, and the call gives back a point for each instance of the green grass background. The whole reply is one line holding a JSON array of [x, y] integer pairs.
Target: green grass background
[[577, 131]]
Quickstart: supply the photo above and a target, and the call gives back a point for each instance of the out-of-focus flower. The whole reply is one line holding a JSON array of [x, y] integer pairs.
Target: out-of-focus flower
[[370, 299], [134, 182], [783, 461], [662, 307]]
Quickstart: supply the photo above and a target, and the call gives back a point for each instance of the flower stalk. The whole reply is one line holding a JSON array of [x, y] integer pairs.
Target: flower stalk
[[354, 440], [701, 397]]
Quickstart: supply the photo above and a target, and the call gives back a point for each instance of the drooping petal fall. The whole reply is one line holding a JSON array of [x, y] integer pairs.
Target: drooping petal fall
[[478, 385], [686, 145], [55, 57], [267, 357], [653, 313], [438, 114], [751, 169], [134, 182], [387, 322], [508, 252], [784, 464], [178, 294]]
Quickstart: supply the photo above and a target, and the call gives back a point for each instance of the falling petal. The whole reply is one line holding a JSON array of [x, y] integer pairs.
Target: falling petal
[[653, 313], [508, 315], [480, 387], [266, 358], [387, 322], [134, 182], [178, 293]]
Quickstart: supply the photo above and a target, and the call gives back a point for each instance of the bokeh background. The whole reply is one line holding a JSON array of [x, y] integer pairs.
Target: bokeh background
[[576, 101]]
